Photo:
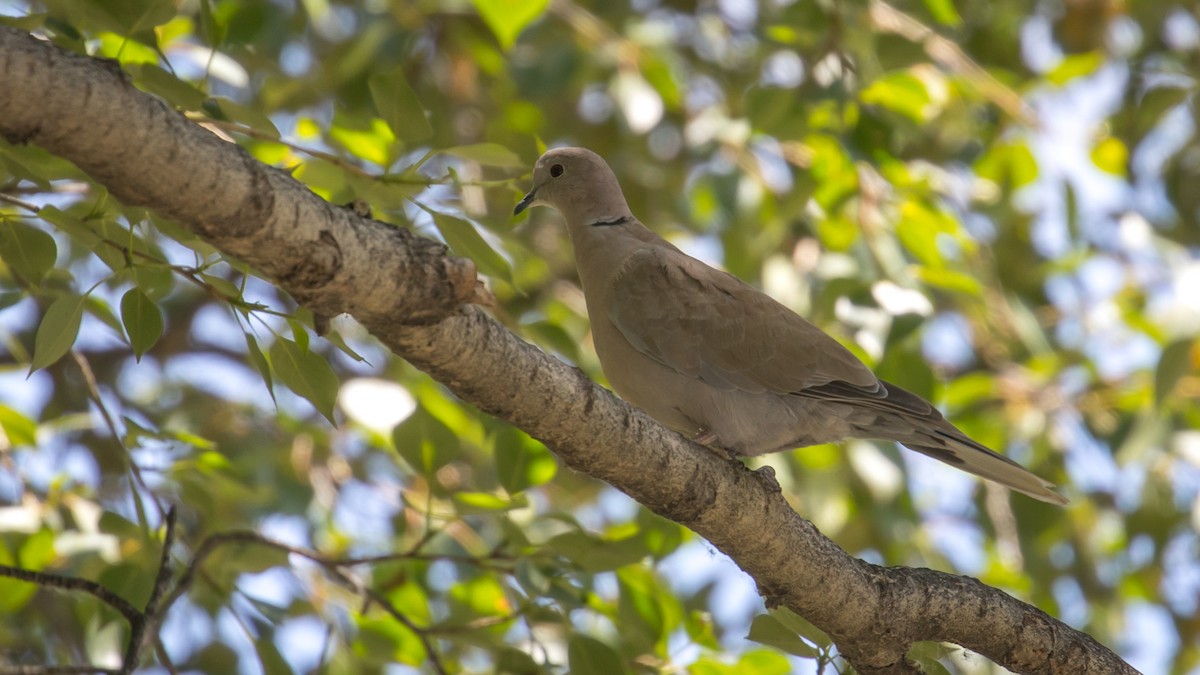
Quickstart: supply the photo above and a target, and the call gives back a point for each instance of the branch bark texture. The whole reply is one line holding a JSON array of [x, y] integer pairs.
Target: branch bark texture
[[409, 293]]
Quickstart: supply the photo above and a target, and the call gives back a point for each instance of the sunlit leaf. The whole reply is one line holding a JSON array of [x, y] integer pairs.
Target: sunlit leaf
[[507, 18], [19, 429]]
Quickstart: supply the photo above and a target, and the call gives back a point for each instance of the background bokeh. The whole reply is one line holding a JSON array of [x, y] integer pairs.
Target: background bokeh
[[994, 204]]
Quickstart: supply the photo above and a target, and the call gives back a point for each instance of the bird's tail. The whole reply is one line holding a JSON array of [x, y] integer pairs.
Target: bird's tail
[[945, 442]]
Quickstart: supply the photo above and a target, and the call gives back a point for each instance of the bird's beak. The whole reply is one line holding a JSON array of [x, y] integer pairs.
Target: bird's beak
[[526, 202]]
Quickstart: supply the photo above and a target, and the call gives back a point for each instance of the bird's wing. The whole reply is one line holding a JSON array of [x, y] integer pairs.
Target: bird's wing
[[708, 324]]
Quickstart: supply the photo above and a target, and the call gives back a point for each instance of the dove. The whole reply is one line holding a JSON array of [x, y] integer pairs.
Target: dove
[[719, 361]]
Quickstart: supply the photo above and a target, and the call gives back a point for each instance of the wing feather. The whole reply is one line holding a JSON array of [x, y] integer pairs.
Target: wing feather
[[708, 324]]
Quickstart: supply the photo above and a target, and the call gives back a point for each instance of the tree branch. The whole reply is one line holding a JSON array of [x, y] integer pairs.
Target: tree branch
[[409, 293]]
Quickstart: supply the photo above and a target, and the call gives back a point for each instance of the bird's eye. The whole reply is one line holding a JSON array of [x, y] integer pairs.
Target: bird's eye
[[556, 170]]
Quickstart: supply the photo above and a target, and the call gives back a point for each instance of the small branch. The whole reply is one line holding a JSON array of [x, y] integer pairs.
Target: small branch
[[951, 57], [92, 588], [28, 206], [55, 670], [150, 618], [93, 390], [335, 567]]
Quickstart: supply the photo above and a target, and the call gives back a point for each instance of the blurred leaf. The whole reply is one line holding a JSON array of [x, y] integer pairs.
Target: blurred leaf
[[1076, 65], [14, 593], [56, 333], [589, 656], [397, 104], [901, 92], [425, 442], [30, 252], [153, 79], [597, 555], [306, 373], [507, 18], [483, 502], [143, 321], [521, 462], [1174, 362], [226, 109], [488, 154], [372, 144], [514, 662], [944, 12], [19, 429], [1111, 156]]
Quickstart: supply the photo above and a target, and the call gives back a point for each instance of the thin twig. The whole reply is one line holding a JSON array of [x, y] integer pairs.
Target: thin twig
[[28, 206], [55, 670], [93, 390], [106, 596], [952, 57], [149, 619]]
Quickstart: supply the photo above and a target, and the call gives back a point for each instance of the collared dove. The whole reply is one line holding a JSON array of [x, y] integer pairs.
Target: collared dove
[[719, 361]]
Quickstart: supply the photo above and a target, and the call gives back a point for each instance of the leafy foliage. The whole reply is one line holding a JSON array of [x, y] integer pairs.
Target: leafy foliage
[[991, 203]]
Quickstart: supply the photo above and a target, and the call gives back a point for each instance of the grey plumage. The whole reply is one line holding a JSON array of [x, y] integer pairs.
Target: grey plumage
[[717, 360]]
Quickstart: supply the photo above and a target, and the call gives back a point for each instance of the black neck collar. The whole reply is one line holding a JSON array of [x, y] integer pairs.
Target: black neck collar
[[615, 221]]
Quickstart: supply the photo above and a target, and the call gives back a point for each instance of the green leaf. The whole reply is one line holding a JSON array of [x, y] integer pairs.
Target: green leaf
[[1173, 364], [767, 630], [227, 109], [19, 429], [1076, 65], [903, 93], [14, 593], [30, 252], [944, 12], [397, 104], [516, 662], [143, 321], [299, 333], [307, 374], [507, 18], [798, 624], [149, 77], [488, 154], [522, 462], [259, 361], [373, 143], [462, 238], [594, 554], [589, 656], [58, 330], [425, 442], [485, 502], [75, 228]]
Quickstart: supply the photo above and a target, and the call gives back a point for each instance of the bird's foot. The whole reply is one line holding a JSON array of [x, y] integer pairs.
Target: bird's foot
[[766, 474], [708, 439]]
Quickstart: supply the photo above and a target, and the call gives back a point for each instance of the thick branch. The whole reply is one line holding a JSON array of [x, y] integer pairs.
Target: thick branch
[[405, 290]]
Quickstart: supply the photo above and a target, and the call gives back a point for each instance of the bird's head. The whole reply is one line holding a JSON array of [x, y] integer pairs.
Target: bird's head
[[578, 184]]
